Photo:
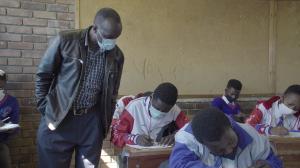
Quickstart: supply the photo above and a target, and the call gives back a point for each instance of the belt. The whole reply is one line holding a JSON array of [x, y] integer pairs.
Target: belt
[[79, 112]]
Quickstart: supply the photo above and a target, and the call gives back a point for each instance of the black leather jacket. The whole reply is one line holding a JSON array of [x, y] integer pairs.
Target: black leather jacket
[[59, 73]]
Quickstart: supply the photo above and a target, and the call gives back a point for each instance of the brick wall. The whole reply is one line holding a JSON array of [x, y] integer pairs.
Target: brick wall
[[25, 29]]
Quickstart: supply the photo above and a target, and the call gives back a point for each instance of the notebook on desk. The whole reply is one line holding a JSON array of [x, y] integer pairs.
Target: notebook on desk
[[149, 147], [294, 134]]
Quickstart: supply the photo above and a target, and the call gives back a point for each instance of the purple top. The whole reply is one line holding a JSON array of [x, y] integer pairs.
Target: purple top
[[228, 108], [9, 107]]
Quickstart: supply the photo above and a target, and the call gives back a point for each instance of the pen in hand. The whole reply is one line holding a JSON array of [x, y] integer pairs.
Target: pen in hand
[[5, 119]]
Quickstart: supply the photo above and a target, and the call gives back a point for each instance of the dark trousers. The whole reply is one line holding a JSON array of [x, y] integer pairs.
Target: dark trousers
[[4, 156], [76, 133]]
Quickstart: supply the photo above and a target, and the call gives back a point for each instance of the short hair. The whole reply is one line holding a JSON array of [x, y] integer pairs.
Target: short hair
[[293, 89], [210, 124], [166, 92], [2, 75], [106, 13], [234, 83], [145, 94]]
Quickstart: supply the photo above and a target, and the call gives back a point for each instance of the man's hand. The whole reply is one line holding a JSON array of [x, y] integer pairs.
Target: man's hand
[[167, 140], [261, 164], [144, 140], [279, 131]]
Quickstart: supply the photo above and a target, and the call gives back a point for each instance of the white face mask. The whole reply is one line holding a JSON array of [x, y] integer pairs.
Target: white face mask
[[285, 110], [156, 113], [106, 44]]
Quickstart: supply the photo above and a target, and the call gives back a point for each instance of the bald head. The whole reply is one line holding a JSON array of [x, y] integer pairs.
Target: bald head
[[108, 22]]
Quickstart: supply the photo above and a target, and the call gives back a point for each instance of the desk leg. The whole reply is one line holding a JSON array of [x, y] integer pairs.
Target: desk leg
[[146, 161], [133, 162]]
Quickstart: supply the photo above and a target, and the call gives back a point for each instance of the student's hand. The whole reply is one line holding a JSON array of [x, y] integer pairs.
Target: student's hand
[[167, 140], [144, 140], [279, 131], [261, 164]]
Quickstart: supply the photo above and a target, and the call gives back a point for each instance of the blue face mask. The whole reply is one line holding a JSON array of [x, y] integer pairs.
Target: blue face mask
[[106, 44], [156, 113]]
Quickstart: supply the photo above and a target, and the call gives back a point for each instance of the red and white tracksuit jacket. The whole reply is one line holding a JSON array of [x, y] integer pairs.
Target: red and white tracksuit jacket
[[136, 120], [121, 104], [267, 115]]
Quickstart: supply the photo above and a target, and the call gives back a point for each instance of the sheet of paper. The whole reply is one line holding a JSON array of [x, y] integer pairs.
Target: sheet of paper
[[149, 147], [291, 134], [8, 126], [294, 134]]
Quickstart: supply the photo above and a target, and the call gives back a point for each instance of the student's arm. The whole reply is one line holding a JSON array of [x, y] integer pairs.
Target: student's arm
[[14, 117], [118, 109], [47, 70], [273, 160], [122, 133], [181, 120], [237, 109], [261, 151], [255, 119], [182, 157]]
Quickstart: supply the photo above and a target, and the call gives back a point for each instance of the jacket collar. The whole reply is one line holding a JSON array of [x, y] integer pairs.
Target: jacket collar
[[244, 138], [86, 36]]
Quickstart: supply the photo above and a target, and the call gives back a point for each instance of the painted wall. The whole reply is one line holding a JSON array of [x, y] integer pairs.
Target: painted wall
[[198, 45], [288, 45]]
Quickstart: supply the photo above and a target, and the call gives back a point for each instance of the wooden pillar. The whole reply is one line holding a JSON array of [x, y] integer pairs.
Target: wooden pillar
[[77, 14], [272, 45]]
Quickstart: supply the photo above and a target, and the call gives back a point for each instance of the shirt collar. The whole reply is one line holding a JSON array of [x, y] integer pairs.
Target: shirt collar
[[244, 138], [226, 100]]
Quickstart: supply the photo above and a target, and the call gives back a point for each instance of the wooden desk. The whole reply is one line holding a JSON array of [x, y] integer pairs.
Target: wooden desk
[[147, 158], [288, 149]]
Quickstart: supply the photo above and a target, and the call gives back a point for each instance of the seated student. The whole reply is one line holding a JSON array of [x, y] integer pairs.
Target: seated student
[[213, 140], [228, 102], [144, 119], [9, 112], [278, 115], [120, 106]]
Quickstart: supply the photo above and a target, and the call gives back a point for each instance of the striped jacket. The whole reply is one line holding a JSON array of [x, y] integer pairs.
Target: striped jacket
[[267, 115], [136, 120]]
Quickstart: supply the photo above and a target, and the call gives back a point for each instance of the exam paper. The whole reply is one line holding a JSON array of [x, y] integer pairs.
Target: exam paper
[[294, 134], [149, 147], [8, 126]]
